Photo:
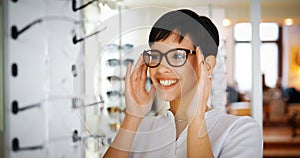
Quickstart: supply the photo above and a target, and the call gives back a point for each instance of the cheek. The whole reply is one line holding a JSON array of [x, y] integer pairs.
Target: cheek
[[190, 79], [152, 72], [194, 64], [189, 75]]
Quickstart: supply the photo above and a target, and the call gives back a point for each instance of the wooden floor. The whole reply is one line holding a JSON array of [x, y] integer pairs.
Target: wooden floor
[[279, 143]]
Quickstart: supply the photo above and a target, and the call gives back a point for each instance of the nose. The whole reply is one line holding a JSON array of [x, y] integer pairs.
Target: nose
[[163, 67]]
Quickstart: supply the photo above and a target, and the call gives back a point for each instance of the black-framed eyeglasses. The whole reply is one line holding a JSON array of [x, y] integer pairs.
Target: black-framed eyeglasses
[[175, 57]]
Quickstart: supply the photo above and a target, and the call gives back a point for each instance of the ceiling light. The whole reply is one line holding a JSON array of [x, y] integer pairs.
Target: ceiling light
[[288, 22], [226, 22]]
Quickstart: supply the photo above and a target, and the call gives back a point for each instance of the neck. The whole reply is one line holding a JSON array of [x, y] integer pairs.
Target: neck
[[179, 106]]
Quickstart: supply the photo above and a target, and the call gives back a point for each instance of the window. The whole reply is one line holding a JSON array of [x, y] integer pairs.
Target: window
[[242, 32], [268, 31], [269, 63], [243, 69], [269, 34]]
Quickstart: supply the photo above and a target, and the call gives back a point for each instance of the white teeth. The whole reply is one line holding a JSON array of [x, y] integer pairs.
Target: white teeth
[[167, 82]]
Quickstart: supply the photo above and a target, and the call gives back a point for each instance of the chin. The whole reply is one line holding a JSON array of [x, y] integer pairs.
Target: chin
[[165, 96]]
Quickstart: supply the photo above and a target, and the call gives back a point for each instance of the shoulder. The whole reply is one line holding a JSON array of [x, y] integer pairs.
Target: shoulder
[[219, 117], [238, 123], [244, 128], [234, 134]]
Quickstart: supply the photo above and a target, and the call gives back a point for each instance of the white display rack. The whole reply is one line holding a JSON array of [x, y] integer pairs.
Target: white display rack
[[44, 73]]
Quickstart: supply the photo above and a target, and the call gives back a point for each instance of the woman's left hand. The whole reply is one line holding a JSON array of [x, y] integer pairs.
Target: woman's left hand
[[198, 105], [197, 131]]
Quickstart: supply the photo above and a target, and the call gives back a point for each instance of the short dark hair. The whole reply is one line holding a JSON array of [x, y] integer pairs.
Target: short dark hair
[[183, 22]]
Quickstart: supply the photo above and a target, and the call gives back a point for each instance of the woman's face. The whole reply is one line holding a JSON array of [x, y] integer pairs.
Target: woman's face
[[172, 83]]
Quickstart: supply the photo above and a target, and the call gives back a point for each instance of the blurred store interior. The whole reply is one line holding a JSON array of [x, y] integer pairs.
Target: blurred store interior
[[62, 65]]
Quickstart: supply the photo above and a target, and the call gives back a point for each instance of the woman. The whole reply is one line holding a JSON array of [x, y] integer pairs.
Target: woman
[[180, 62]]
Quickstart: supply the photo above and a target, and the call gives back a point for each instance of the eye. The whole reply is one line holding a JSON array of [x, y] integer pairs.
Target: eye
[[154, 56], [179, 54]]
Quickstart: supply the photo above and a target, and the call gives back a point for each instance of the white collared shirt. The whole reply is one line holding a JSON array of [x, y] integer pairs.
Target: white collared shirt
[[230, 136]]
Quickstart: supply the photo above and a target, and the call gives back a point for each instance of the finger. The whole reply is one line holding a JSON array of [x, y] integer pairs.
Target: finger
[[137, 69], [139, 62], [144, 72], [199, 55], [136, 73], [142, 76], [204, 78], [204, 67], [200, 61], [205, 84], [127, 77]]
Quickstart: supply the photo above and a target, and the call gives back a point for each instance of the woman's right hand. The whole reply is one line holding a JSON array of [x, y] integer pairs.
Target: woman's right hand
[[138, 100]]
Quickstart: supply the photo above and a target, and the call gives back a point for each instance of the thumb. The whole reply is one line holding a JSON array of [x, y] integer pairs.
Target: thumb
[[152, 92]]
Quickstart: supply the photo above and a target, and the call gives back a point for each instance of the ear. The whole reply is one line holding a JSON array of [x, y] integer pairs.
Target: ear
[[211, 62]]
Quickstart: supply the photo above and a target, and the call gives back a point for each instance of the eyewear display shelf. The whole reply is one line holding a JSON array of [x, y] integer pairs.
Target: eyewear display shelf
[[43, 76], [113, 66]]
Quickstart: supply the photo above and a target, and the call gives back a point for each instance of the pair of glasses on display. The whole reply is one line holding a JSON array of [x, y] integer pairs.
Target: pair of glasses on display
[[175, 57], [17, 31], [114, 109], [115, 47], [114, 78], [114, 93], [117, 62]]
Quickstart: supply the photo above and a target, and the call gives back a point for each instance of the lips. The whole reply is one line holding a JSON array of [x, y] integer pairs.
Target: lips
[[166, 82]]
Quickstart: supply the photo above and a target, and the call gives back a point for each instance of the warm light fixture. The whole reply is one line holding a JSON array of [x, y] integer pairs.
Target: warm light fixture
[[298, 57], [226, 22], [288, 21]]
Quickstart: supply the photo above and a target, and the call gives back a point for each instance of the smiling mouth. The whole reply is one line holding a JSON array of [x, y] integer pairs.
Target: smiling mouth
[[167, 83]]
